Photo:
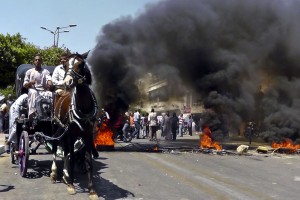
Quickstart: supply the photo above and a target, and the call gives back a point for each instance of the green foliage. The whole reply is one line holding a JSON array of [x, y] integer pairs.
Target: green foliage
[[51, 56], [8, 90], [14, 51]]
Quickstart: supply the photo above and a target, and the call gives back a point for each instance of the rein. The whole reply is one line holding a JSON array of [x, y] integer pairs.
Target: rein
[[76, 116]]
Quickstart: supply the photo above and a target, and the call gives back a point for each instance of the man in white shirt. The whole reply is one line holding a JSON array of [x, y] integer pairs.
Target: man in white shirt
[[37, 80], [136, 119], [59, 74], [14, 113]]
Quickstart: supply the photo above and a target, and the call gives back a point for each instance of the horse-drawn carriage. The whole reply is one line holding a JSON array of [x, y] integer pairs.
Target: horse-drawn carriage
[[65, 121], [29, 132]]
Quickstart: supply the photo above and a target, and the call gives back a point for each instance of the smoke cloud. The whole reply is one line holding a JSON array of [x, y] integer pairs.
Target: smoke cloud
[[241, 57]]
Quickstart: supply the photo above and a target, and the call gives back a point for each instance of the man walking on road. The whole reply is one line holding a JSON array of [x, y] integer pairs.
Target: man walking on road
[[137, 119]]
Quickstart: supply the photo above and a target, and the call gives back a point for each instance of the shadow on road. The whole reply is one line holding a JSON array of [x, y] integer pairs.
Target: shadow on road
[[104, 188], [6, 188]]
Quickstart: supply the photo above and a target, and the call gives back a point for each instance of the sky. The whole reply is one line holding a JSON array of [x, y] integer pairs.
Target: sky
[[26, 18]]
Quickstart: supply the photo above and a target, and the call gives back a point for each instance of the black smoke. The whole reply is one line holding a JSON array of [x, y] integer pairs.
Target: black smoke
[[241, 57]]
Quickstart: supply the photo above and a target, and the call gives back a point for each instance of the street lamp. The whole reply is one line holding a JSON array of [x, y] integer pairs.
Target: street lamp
[[50, 32], [56, 33]]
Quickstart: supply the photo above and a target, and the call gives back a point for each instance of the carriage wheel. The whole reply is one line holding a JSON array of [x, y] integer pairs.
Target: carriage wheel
[[23, 153]]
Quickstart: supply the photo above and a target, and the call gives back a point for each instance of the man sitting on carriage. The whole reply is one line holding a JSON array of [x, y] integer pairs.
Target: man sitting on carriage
[[59, 74], [14, 113], [38, 81]]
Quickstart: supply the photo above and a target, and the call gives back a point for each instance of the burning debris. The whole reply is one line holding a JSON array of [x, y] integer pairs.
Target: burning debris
[[104, 136], [286, 146], [206, 140]]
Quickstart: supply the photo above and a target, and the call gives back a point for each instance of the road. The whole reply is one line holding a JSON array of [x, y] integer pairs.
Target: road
[[155, 176]]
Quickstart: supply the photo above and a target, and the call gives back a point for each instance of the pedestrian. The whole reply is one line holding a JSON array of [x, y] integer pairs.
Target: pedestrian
[[163, 131], [147, 125], [180, 125], [190, 124], [152, 118], [3, 116], [144, 122], [167, 127], [125, 126], [10, 100], [174, 125], [117, 127], [136, 120]]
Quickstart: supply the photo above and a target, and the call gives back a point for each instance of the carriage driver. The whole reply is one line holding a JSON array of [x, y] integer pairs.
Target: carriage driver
[[37, 80]]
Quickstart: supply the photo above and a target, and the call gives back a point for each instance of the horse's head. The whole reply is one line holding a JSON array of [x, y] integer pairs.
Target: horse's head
[[77, 71]]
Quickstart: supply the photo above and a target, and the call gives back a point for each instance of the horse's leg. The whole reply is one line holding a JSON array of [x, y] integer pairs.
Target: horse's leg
[[53, 175], [89, 167], [71, 187], [66, 176]]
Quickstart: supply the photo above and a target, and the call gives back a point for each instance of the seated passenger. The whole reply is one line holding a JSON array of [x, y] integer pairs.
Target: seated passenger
[[59, 74], [37, 80], [14, 113]]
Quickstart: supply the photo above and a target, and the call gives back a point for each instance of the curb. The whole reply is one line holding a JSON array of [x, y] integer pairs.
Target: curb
[[2, 145], [2, 149]]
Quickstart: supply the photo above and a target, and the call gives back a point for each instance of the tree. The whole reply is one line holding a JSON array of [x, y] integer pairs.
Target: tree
[[14, 51], [11, 54]]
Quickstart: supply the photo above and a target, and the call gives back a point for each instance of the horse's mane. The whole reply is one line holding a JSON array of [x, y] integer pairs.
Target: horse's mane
[[88, 75]]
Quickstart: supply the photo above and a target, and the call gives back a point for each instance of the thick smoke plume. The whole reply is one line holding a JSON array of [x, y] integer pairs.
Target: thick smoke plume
[[242, 57]]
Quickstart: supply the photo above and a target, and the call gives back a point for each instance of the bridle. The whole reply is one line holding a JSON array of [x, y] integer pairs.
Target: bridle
[[77, 78]]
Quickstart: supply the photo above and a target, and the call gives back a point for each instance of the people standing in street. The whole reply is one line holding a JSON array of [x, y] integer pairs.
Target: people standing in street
[[190, 123], [136, 119], [9, 101], [163, 131], [152, 118], [168, 126], [3, 117], [126, 125], [174, 125], [180, 125], [144, 126]]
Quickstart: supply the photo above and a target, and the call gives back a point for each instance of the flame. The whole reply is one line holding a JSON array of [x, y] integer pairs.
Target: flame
[[104, 135], [287, 143], [206, 140]]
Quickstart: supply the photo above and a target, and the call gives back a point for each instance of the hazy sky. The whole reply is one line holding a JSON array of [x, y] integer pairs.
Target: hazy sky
[[26, 17]]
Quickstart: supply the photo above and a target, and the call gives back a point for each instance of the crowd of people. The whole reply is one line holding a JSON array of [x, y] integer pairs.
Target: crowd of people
[[146, 125]]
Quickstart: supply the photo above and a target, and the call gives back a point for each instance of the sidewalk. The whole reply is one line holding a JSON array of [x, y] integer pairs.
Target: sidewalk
[[2, 143]]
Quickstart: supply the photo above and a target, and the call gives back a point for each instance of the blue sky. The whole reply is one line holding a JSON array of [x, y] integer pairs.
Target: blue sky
[[26, 17]]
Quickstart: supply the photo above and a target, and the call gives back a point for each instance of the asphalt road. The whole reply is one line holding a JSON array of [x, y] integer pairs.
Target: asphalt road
[[155, 176]]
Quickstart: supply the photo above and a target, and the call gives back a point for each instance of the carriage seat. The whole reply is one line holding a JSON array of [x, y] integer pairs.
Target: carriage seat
[[44, 107]]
